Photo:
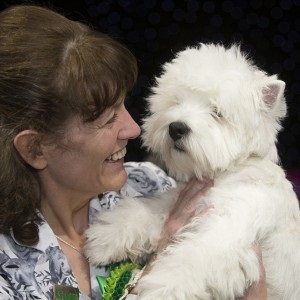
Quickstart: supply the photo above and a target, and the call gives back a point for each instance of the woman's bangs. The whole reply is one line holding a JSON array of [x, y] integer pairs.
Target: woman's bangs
[[102, 92]]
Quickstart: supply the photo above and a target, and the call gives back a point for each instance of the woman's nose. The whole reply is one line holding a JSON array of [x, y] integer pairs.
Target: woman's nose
[[130, 129]]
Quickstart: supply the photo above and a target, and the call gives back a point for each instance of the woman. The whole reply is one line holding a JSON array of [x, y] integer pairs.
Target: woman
[[63, 136]]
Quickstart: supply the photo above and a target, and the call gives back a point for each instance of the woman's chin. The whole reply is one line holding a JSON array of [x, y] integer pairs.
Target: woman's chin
[[114, 175]]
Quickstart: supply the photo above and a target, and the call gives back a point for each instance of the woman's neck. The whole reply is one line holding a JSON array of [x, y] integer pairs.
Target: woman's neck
[[66, 218]]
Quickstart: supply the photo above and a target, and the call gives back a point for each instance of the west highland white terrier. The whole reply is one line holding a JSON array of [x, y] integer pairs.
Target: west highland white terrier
[[212, 114]]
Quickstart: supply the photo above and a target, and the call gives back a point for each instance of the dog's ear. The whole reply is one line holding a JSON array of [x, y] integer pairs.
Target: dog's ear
[[273, 92]]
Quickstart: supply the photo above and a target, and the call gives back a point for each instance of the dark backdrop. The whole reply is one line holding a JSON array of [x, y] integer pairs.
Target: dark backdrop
[[155, 30]]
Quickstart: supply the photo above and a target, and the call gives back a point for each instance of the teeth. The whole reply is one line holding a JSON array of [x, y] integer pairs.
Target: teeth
[[117, 155]]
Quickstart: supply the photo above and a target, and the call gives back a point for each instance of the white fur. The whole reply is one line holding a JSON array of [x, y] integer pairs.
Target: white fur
[[233, 110]]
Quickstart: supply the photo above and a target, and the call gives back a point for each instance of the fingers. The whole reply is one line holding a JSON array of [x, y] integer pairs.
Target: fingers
[[258, 290], [258, 252], [193, 187], [189, 199]]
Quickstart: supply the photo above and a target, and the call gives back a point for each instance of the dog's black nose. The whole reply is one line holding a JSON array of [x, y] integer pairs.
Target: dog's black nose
[[177, 130]]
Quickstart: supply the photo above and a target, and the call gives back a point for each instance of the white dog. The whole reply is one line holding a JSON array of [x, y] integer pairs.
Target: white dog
[[213, 114]]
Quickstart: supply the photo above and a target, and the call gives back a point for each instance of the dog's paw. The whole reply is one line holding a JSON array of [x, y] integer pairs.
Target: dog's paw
[[103, 245], [130, 231]]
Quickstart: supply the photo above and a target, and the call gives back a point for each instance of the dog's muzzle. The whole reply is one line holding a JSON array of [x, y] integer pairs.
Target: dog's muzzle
[[177, 131]]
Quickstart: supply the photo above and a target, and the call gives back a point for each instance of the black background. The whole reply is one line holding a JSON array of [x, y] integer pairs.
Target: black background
[[155, 30]]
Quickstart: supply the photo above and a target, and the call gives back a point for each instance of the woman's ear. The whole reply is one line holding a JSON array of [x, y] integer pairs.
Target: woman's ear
[[26, 143]]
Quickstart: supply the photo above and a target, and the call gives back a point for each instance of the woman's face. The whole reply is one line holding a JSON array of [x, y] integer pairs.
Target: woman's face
[[93, 160]]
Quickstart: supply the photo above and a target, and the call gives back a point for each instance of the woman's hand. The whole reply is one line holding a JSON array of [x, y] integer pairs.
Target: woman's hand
[[190, 202], [258, 290]]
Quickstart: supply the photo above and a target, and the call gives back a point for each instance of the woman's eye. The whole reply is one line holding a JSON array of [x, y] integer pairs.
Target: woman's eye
[[112, 119]]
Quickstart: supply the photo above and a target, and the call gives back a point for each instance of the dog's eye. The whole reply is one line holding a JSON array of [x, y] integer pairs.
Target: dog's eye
[[216, 113]]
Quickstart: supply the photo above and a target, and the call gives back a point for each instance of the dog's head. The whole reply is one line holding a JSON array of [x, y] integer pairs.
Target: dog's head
[[212, 109]]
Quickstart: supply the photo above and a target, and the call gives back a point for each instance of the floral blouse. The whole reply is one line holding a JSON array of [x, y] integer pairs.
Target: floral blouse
[[31, 272]]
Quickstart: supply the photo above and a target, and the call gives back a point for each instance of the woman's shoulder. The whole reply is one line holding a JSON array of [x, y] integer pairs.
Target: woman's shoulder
[[145, 179]]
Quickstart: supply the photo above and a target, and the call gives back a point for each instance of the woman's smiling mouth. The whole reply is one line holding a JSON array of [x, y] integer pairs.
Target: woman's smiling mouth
[[118, 155]]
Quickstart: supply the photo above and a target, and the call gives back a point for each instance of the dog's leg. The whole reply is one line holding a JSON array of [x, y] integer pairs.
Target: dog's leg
[[131, 230]]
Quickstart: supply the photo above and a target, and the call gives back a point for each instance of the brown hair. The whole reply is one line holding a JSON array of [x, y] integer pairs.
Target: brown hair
[[51, 69]]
